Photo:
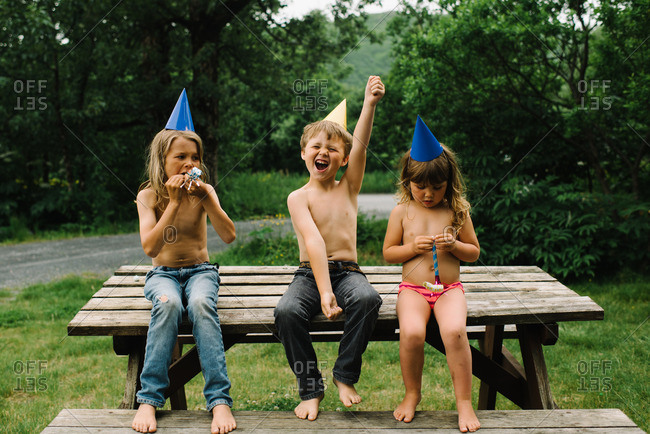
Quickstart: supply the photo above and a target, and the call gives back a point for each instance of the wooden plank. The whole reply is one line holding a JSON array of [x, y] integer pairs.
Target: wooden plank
[[256, 279], [290, 269], [382, 288], [473, 332], [231, 301], [516, 311], [512, 307], [605, 420]]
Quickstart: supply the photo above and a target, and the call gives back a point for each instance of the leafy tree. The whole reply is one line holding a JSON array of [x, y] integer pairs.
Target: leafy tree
[[111, 74], [545, 93]]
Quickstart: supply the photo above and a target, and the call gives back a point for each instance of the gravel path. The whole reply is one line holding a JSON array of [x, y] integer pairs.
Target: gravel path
[[29, 263]]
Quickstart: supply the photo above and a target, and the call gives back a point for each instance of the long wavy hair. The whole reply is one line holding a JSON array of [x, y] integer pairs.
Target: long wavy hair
[[435, 172], [156, 156]]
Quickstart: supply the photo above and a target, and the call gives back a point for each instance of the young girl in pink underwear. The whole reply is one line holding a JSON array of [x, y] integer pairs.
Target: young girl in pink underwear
[[432, 209]]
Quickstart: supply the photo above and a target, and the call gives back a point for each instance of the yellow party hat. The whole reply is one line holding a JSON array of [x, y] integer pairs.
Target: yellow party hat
[[339, 115]]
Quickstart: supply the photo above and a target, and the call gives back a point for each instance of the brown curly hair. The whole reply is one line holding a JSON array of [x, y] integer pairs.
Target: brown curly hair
[[435, 172]]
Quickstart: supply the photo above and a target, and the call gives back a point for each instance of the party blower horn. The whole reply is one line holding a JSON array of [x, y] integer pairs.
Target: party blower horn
[[437, 286], [193, 175]]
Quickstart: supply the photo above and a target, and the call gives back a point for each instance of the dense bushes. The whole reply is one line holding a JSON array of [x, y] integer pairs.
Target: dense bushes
[[566, 232]]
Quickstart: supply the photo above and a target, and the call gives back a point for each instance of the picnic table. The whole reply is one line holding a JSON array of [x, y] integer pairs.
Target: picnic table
[[522, 303]]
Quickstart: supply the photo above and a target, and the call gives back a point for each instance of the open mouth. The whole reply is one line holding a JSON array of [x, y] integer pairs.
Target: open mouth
[[321, 165]]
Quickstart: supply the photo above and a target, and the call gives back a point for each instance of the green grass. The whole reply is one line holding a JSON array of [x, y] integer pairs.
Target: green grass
[[595, 364], [43, 370]]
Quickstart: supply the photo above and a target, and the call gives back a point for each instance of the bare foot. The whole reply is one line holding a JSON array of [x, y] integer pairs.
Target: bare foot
[[467, 420], [308, 409], [222, 419], [145, 419], [347, 393], [406, 410]]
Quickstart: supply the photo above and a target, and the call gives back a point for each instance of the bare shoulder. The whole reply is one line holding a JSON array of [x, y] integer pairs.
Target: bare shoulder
[[297, 196], [146, 197], [399, 211]]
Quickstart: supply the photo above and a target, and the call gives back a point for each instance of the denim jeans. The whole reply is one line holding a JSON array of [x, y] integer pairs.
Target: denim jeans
[[172, 291], [360, 303]]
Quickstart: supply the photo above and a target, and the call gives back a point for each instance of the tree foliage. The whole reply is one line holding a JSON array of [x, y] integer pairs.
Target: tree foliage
[[543, 100], [89, 84]]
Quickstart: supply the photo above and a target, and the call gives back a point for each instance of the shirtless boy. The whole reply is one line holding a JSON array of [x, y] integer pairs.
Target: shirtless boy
[[324, 217]]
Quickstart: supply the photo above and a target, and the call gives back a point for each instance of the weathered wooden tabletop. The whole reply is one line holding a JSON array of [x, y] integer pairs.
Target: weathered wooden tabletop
[[521, 302], [247, 296]]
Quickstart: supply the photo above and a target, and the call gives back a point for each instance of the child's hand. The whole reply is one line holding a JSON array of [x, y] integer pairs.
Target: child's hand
[[445, 242], [198, 188], [174, 189], [422, 244], [329, 306], [374, 90]]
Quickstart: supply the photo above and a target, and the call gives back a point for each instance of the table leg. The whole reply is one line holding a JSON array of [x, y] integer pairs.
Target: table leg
[[177, 398], [490, 346], [136, 346], [188, 366], [538, 388]]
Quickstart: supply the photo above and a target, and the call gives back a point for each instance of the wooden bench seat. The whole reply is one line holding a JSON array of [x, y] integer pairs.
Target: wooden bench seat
[[495, 421]]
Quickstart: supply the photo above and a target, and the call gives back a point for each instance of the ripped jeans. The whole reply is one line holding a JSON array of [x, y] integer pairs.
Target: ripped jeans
[[172, 291]]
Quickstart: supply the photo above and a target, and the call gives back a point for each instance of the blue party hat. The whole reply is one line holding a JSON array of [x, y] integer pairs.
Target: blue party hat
[[425, 146], [181, 118]]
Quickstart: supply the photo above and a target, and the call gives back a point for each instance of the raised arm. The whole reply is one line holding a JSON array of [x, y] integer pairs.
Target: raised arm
[[306, 228], [361, 137]]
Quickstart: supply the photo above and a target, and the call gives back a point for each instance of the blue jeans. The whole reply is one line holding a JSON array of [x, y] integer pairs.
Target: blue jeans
[[172, 291], [301, 302]]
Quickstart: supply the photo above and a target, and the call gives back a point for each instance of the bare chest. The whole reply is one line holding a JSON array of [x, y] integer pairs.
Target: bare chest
[[333, 210], [425, 222], [189, 222]]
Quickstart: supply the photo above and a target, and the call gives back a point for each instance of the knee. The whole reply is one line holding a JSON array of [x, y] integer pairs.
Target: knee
[[200, 306], [412, 337], [367, 301], [454, 336], [285, 312], [167, 307]]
